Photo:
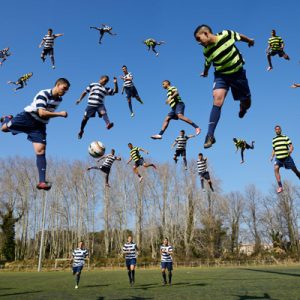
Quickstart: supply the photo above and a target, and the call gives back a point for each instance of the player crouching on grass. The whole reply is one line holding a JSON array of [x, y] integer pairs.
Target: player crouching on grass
[[33, 121]]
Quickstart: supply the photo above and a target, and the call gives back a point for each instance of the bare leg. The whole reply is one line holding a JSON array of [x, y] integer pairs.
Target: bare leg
[[277, 175], [149, 165]]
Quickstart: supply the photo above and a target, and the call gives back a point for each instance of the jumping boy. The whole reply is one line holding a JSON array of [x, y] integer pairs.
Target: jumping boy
[[177, 110], [103, 30], [22, 81], [130, 89], [138, 160], [107, 164], [152, 43], [97, 92], [3, 55], [241, 144], [48, 44], [220, 50], [33, 121]]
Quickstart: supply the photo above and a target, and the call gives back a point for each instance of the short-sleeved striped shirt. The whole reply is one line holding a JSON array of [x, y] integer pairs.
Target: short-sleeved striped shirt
[[224, 55], [128, 83], [280, 145], [166, 257], [97, 93], [109, 160], [43, 100], [130, 250], [174, 100], [202, 165], [135, 153], [181, 142], [79, 256], [48, 41], [275, 42], [4, 53]]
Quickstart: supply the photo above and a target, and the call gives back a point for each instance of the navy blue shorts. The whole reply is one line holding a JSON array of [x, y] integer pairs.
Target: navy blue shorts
[[105, 169], [90, 111], [176, 110], [167, 265], [139, 162], [130, 262], [48, 51], [131, 92], [77, 269], [205, 175], [237, 82], [25, 123], [180, 152], [280, 53], [287, 163]]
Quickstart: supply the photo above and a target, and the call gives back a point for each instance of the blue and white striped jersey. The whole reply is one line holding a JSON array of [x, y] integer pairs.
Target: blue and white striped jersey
[[129, 249], [48, 41], [128, 83], [109, 160], [79, 256], [43, 100], [97, 93], [202, 165], [181, 142], [166, 253]]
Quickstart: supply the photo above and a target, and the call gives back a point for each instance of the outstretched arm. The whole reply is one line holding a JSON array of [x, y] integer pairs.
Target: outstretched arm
[[145, 151], [205, 71], [175, 142], [295, 85], [272, 155], [48, 114], [129, 160], [119, 158], [81, 97], [247, 40], [58, 34]]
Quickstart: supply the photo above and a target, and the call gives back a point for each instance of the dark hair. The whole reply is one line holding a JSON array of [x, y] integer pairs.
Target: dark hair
[[202, 26], [50, 29], [277, 126], [234, 139], [182, 131], [63, 81], [124, 66], [113, 150], [105, 76], [166, 239], [167, 81], [129, 144], [200, 154]]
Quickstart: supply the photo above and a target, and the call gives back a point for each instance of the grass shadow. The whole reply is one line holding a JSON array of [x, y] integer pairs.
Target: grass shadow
[[96, 285], [249, 297], [20, 293], [273, 272]]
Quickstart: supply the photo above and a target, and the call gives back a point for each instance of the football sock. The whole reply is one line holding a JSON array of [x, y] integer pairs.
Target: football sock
[[130, 107], [184, 161], [83, 123], [202, 183], [77, 279], [132, 275], [41, 165], [52, 60], [280, 183], [106, 119], [129, 275], [211, 187], [213, 120], [164, 276], [195, 125], [170, 276]]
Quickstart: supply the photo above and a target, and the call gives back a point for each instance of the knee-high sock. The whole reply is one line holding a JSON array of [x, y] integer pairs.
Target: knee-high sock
[[83, 123], [211, 187], [132, 275], [130, 106], [52, 60], [41, 164], [129, 275], [106, 119], [164, 276], [185, 161], [77, 278], [202, 183], [170, 276], [213, 120]]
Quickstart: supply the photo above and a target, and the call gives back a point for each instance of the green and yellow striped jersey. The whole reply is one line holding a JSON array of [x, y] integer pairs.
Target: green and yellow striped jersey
[[240, 144], [149, 42], [25, 77], [224, 55], [174, 100], [275, 42], [280, 145], [135, 153]]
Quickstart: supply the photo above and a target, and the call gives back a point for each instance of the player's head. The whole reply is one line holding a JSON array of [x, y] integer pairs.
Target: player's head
[[166, 84], [124, 69], [130, 146], [50, 31], [278, 130], [234, 139], [166, 241], [104, 80], [200, 155], [203, 34], [62, 85], [81, 244], [273, 32], [182, 132], [30, 74], [129, 239], [113, 151]]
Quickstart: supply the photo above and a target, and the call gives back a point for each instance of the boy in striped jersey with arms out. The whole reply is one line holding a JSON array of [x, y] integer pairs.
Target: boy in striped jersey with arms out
[[203, 172], [275, 47], [181, 141], [102, 30], [282, 150], [130, 89], [138, 160], [33, 120], [107, 164], [79, 255], [220, 50], [177, 110], [3, 55], [48, 43], [166, 251], [243, 145], [97, 92], [130, 251], [21, 81]]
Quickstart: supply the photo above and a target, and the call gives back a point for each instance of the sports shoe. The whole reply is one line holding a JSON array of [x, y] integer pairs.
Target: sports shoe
[[186, 168], [279, 190], [209, 141], [154, 166], [204, 190], [244, 106], [157, 54], [53, 67], [46, 186], [269, 68], [4, 117], [198, 130], [132, 115], [156, 137], [109, 126], [107, 185], [80, 134], [175, 159], [141, 101], [141, 179], [76, 286]]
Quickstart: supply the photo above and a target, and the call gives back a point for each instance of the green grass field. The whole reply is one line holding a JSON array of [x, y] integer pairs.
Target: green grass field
[[188, 283]]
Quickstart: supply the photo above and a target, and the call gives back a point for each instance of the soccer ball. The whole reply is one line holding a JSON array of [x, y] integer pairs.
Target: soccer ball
[[96, 149]]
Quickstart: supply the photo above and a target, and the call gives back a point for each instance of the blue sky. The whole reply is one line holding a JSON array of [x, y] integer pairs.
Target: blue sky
[[80, 59]]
